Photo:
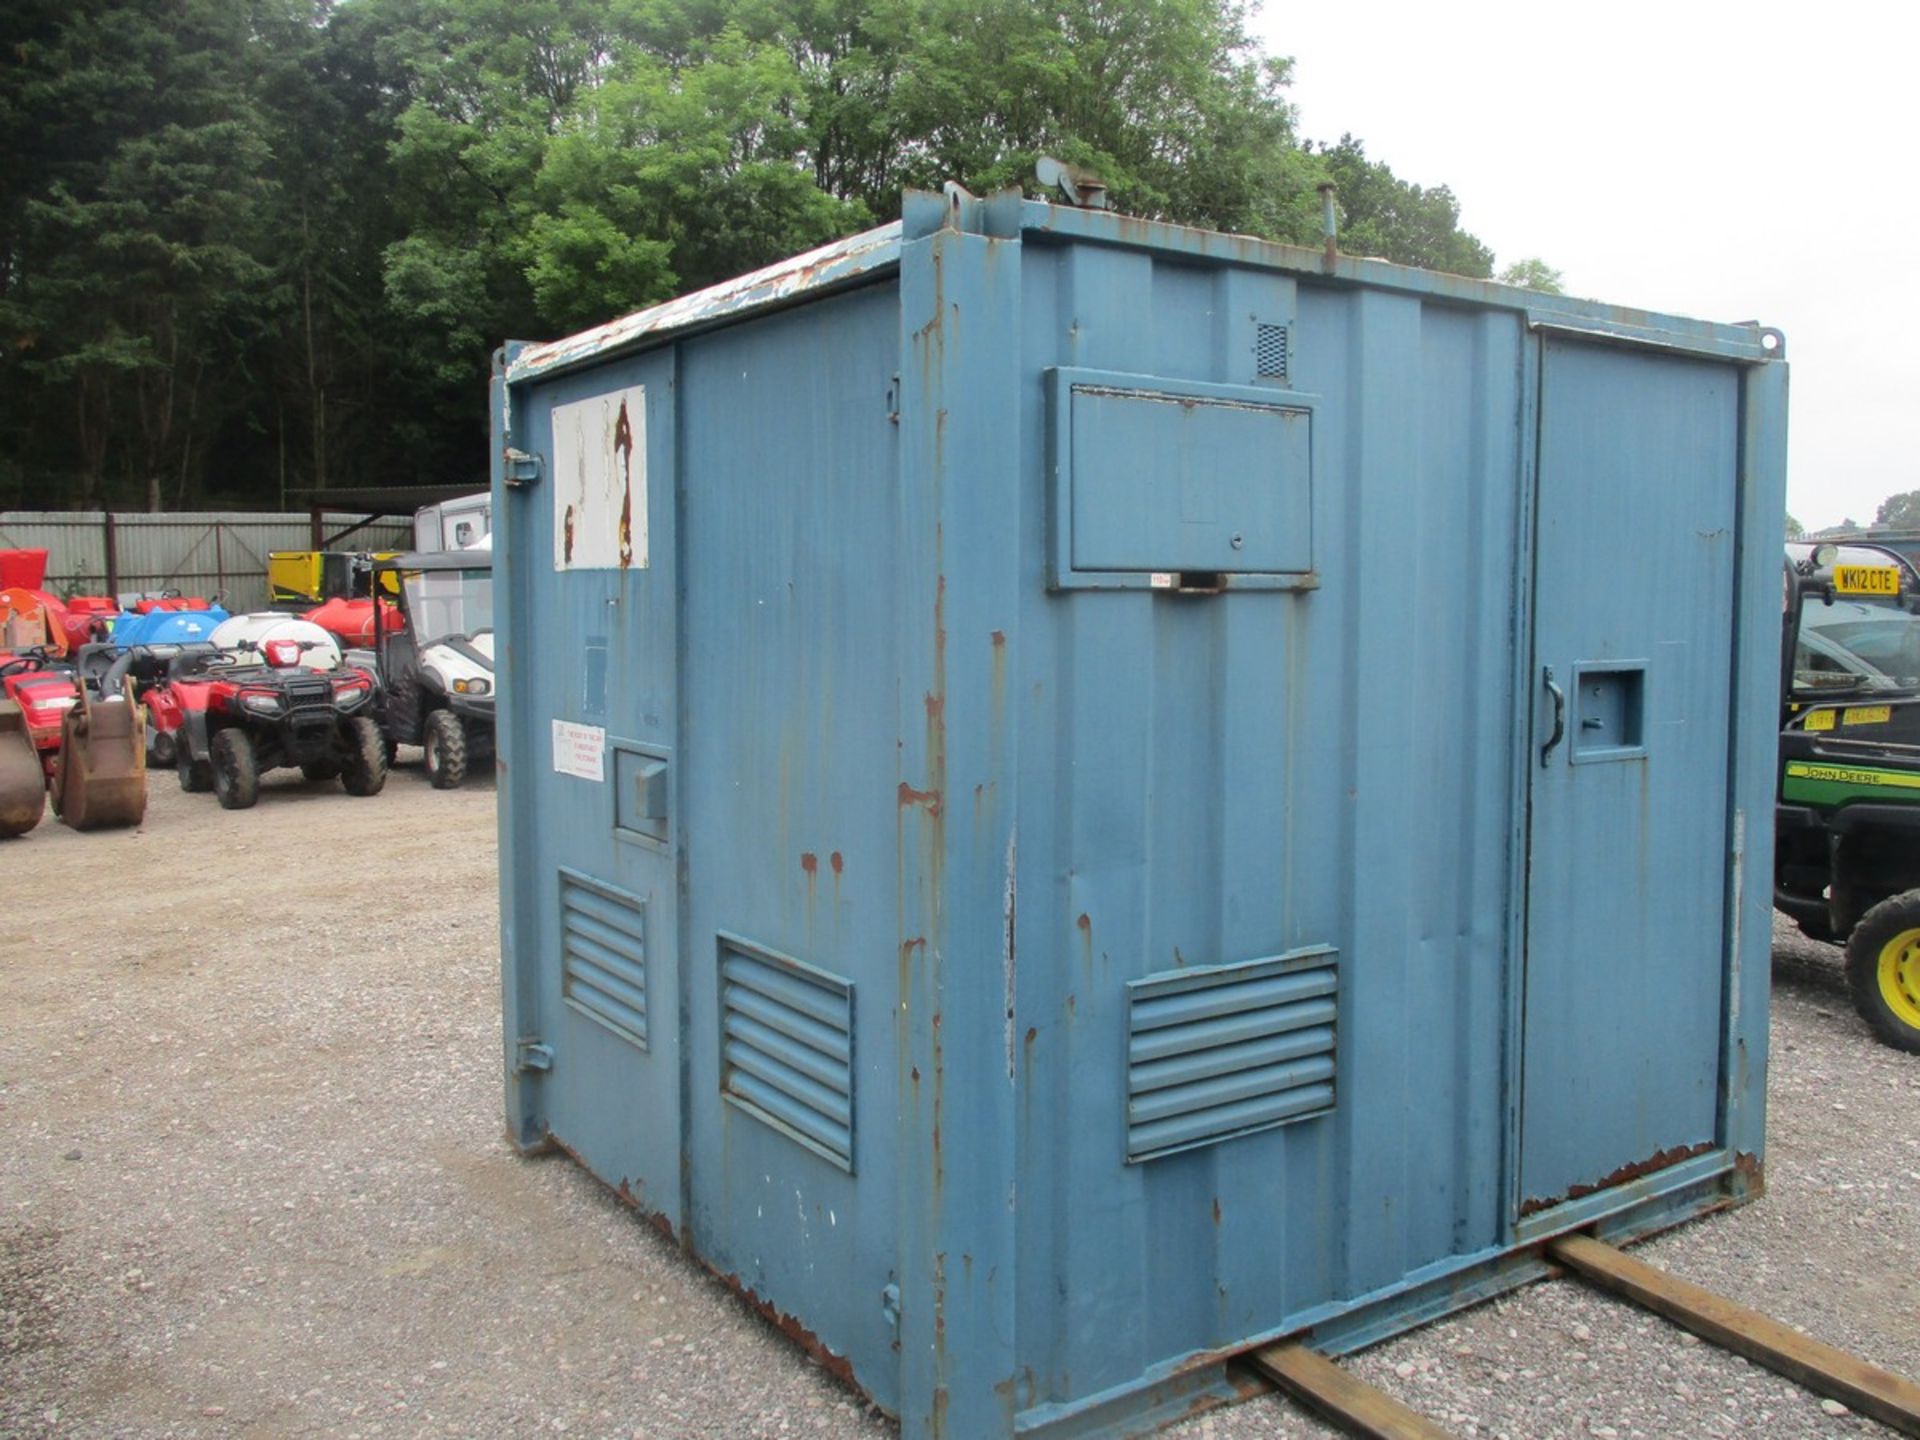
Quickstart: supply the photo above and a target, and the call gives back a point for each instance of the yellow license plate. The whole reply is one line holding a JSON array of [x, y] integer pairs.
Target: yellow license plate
[[1866, 580], [1821, 719], [1867, 715]]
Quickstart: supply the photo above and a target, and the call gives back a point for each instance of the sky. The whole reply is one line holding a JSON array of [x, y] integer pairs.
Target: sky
[[1721, 161]]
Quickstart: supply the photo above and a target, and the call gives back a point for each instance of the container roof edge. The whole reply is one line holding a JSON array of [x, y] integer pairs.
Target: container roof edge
[[873, 251], [830, 265], [1591, 319]]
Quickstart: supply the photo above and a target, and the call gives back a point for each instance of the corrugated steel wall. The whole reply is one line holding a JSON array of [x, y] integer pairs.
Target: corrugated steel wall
[[195, 552], [1245, 775]]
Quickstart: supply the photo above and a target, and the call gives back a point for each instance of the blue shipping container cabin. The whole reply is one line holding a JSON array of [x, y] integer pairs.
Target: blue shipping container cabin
[[1078, 794]]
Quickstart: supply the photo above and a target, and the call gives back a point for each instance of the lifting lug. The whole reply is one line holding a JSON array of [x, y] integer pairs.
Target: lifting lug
[[522, 469]]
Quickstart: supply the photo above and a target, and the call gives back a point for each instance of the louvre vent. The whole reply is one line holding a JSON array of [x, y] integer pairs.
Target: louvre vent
[[1270, 352], [603, 955], [1219, 1052], [787, 1047]]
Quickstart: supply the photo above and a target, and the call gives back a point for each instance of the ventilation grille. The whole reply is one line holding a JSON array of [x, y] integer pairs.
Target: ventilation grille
[[1270, 352], [1219, 1052], [787, 1047], [603, 955]]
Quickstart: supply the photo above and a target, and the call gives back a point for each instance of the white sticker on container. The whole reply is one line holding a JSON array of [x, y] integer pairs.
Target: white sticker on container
[[580, 750], [600, 482]]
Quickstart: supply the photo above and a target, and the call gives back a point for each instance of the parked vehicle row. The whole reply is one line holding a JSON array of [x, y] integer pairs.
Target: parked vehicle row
[[92, 694]]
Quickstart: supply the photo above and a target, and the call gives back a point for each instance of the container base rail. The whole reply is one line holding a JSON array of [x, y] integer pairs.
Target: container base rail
[[1305, 1375]]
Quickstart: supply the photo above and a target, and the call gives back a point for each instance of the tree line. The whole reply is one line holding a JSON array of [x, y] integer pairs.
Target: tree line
[[249, 247]]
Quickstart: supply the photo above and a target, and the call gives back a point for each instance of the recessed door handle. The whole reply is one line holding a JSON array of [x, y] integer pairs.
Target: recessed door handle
[[1559, 714]]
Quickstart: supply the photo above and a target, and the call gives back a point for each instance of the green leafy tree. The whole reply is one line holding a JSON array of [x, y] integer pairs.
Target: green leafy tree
[[703, 166], [1795, 530], [1532, 273], [849, 56], [37, 118], [1900, 511], [1383, 215], [1168, 101], [250, 248], [327, 359], [560, 172], [135, 275]]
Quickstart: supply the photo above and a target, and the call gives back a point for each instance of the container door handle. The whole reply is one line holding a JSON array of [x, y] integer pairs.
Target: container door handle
[[1559, 714]]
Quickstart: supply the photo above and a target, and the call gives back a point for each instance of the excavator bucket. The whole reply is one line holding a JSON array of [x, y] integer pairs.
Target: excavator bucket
[[23, 785], [100, 776]]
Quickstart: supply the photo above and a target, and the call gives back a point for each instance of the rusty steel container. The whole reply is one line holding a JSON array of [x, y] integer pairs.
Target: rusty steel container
[[1079, 794]]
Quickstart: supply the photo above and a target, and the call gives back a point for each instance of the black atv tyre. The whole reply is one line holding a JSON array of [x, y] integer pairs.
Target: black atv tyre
[[236, 771], [162, 750], [196, 776], [445, 741], [1883, 970], [318, 770], [364, 771]]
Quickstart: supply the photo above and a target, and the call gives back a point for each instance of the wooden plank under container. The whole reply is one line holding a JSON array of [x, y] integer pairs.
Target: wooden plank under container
[[1889, 1398], [1352, 1404]]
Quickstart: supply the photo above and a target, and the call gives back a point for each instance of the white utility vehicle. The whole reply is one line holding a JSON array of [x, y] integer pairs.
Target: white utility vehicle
[[436, 667]]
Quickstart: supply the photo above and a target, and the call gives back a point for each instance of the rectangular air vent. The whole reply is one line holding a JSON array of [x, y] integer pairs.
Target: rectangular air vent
[[1270, 352], [603, 955], [1222, 1051], [787, 1047]]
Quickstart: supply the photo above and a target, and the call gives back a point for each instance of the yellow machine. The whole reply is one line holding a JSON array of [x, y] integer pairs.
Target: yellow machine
[[307, 577]]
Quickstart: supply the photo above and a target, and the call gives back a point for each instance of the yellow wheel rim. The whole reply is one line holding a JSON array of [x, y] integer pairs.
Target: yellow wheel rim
[[1900, 976]]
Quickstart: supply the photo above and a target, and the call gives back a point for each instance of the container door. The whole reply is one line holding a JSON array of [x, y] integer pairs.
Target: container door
[[1626, 897], [600, 711]]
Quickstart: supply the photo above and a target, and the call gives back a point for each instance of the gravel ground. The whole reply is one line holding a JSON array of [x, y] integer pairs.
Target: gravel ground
[[253, 1182]]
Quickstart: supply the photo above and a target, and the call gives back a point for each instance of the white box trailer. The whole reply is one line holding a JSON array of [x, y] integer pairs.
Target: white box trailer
[[453, 524]]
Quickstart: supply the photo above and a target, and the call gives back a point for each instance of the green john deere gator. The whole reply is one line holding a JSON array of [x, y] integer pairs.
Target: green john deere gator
[[1847, 826]]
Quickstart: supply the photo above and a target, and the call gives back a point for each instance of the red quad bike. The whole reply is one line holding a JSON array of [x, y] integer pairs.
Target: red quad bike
[[45, 687], [106, 669], [232, 720]]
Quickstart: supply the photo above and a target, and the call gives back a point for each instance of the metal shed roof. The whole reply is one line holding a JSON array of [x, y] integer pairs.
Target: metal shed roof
[[1010, 215], [831, 265]]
